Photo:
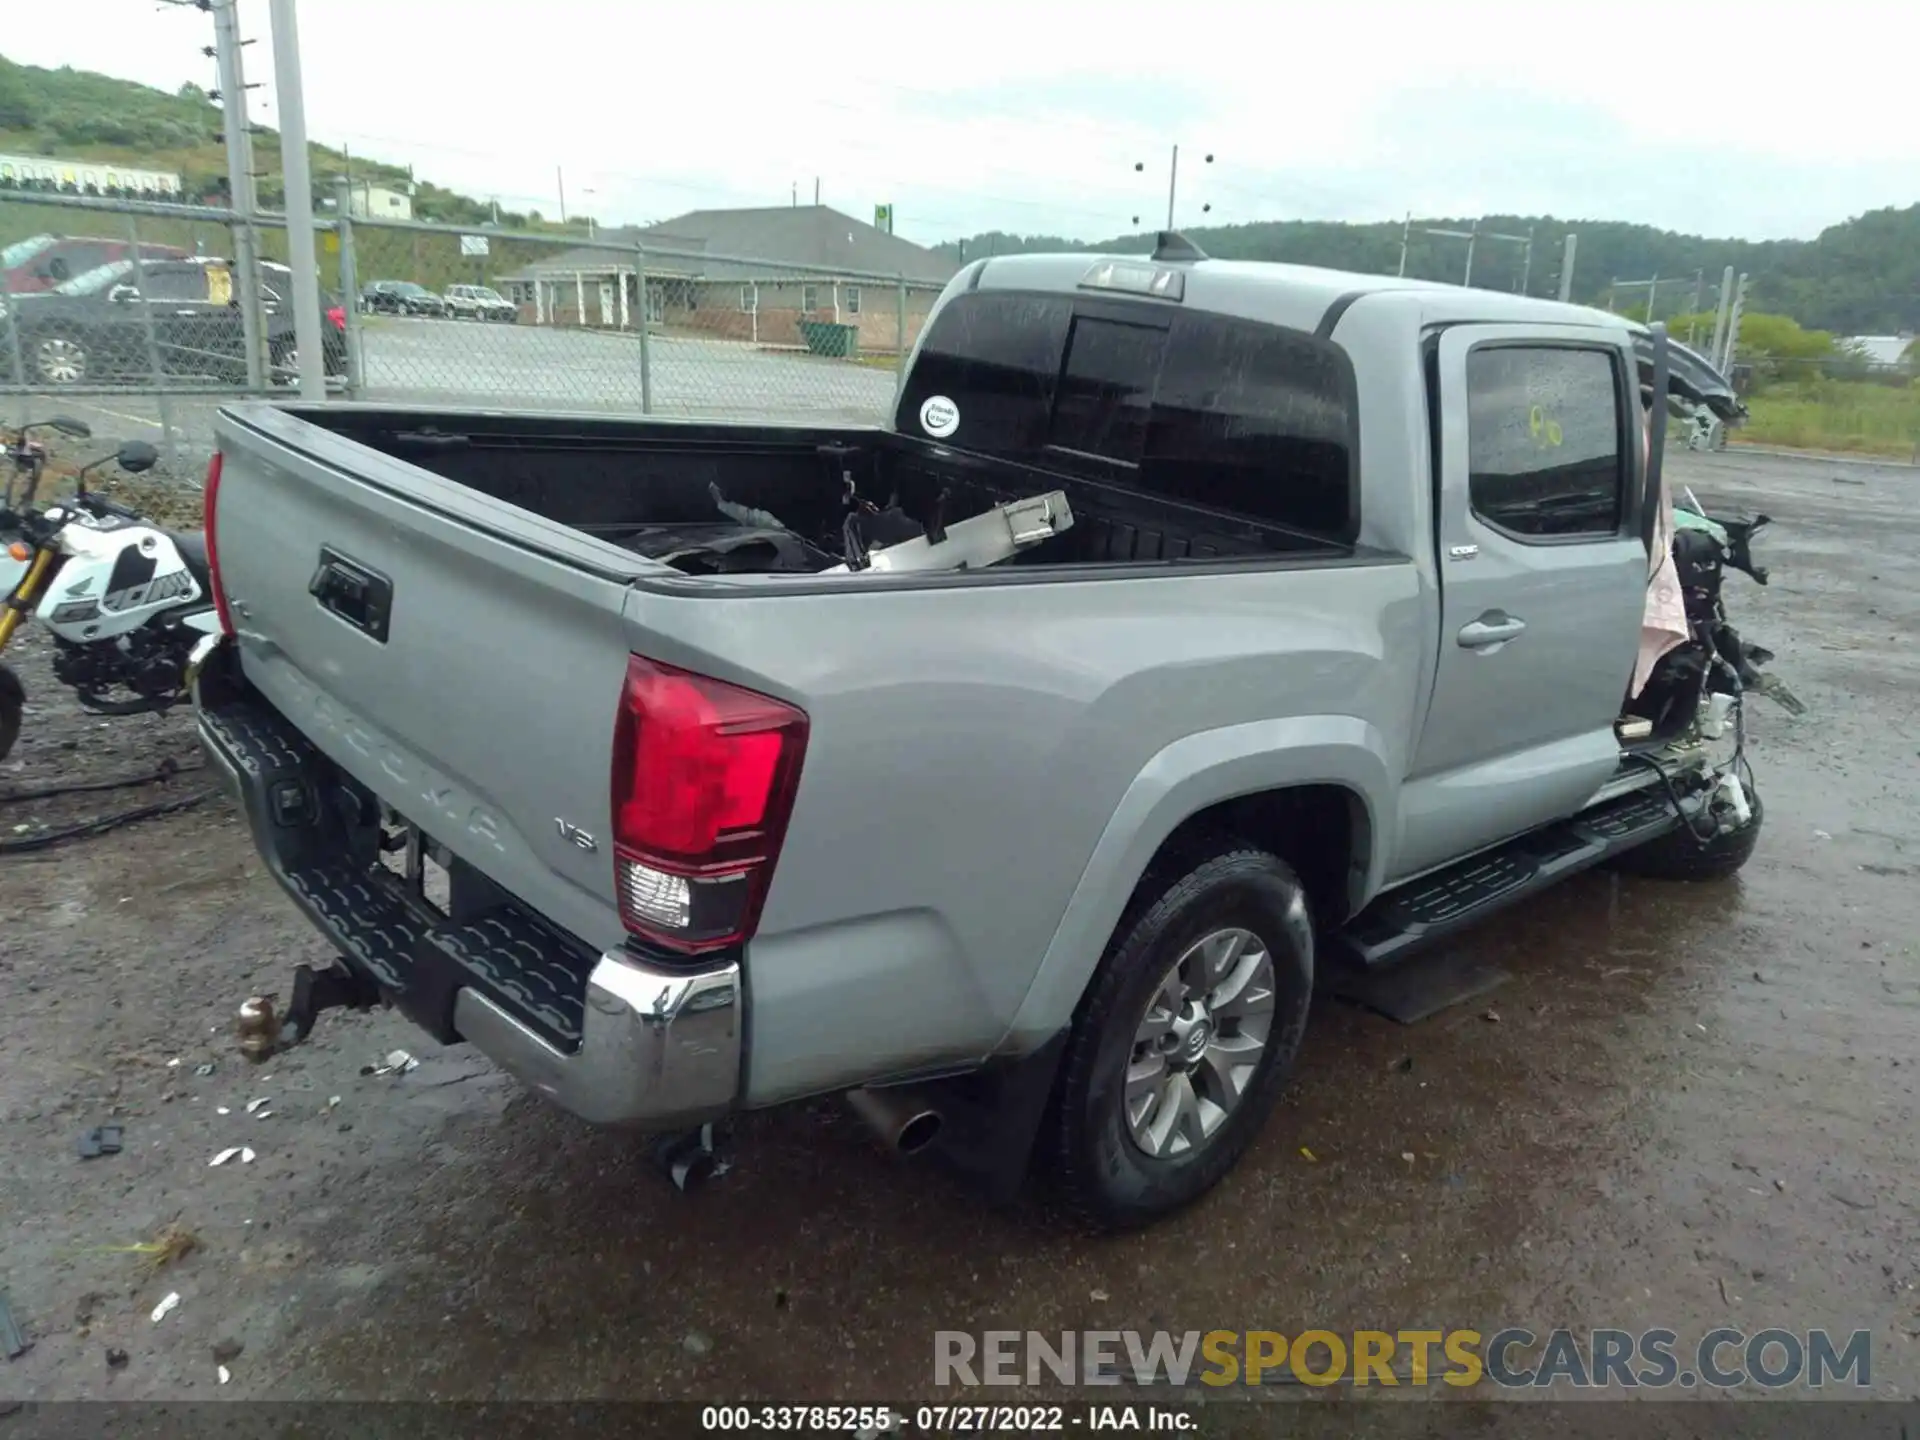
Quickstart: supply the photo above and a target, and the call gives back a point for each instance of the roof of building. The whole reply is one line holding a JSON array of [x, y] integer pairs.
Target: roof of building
[[1879, 349], [754, 245]]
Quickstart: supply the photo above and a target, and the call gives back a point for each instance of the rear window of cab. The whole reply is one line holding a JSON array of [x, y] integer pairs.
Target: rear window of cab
[[1248, 418]]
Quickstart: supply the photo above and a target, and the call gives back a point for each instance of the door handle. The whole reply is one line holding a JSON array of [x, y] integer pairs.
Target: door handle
[[1496, 627]]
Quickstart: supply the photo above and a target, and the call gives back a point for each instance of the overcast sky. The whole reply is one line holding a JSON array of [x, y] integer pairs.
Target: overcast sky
[[1717, 118]]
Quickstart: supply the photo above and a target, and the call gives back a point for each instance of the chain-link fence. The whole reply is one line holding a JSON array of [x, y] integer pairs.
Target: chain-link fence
[[605, 323], [138, 318], [128, 316]]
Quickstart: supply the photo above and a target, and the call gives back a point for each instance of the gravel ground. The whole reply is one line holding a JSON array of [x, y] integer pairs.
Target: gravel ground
[[1696, 1108]]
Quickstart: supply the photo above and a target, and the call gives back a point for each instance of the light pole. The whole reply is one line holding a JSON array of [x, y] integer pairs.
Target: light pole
[[1173, 184]]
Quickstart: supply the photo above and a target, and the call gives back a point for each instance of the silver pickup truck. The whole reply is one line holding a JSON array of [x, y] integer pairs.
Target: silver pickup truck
[[1194, 627]]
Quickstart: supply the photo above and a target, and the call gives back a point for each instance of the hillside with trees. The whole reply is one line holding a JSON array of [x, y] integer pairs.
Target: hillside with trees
[[1857, 278]]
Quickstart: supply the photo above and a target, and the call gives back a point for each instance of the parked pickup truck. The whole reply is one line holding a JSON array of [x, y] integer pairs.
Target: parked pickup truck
[[1012, 767]]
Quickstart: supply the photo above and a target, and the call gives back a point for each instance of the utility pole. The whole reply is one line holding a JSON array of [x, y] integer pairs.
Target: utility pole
[[1406, 229], [1173, 184], [1470, 236], [1526, 243], [240, 188], [1733, 328], [1572, 245], [299, 183], [560, 179], [1721, 312]]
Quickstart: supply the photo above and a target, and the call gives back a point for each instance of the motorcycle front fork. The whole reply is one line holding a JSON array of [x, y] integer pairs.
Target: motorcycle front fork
[[25, 595]]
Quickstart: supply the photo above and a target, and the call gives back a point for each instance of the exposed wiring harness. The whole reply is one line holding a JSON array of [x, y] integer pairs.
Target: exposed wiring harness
[[1742, 769], [101, 824]]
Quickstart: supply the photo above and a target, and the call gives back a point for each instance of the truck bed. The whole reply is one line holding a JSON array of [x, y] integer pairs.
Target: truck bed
[[649, 486]]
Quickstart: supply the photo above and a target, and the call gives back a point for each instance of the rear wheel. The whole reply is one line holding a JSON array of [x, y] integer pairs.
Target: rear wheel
[[13, 704], [1187, 1033]]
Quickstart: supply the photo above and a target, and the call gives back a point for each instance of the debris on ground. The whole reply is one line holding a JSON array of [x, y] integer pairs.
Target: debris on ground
[[696, 1344], [245, 1154], [1097, 1296], [1492, 1017], [116, 1358], [224, 1373], [13, 1342], [206, 1069], [332, 1101], [176, 1242], [166, 1307], [225, 1350], [101, 1140], [1309, 1155], [257, 1028], [398, 1062], [172, 1244]]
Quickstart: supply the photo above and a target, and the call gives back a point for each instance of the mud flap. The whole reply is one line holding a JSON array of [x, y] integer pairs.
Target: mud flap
[[991, 1118]]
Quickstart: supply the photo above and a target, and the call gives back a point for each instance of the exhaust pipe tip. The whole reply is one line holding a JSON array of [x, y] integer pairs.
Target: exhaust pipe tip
[[903, 1121]]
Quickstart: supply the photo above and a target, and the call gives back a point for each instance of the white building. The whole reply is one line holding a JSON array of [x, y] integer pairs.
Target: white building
[[375, 202]]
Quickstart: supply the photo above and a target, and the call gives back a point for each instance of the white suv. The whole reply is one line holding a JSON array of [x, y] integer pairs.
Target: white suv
[[480, 302]]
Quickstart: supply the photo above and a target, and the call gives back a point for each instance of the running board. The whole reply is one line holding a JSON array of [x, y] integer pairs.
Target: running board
[[1434, 906]]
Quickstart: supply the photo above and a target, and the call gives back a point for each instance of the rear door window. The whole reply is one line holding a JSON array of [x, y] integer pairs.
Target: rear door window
[[1544, 425]]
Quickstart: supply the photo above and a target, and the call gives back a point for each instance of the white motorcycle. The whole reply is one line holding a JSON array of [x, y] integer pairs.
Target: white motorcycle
[[124, 600]]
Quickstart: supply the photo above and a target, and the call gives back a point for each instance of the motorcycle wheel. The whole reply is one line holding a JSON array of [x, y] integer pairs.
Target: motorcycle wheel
[[13, 704]]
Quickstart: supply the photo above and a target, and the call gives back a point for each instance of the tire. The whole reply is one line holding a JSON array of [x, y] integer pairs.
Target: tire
[[13, 704], [60, 358], [1678, 855], [1103, 1160]]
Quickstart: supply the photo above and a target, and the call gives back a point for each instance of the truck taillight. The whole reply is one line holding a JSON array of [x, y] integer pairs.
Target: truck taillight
[[211, 502], [704, 775]]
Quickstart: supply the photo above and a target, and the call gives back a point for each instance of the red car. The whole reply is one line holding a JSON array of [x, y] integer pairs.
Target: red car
[[43, 261]]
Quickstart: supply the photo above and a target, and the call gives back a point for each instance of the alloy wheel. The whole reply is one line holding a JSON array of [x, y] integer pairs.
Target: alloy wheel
[[1199, 1043]]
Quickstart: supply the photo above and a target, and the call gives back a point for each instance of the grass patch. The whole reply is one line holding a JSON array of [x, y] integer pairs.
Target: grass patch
[[1840, 415]]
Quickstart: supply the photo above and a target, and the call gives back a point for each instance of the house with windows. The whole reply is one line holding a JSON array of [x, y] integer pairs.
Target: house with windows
[[750, 275]]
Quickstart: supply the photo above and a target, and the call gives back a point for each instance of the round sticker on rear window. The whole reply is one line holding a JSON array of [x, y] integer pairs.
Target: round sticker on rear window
[[939, 417]]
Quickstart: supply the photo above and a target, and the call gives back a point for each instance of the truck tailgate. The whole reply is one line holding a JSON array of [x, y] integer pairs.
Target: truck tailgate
[[460, 657]]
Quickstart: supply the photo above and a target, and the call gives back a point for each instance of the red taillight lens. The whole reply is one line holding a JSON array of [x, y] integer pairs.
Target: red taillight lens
[[338, 316], [704, 775], [212, 504]]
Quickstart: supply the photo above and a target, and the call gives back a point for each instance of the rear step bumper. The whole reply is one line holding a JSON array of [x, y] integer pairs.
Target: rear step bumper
[[608, 1037]]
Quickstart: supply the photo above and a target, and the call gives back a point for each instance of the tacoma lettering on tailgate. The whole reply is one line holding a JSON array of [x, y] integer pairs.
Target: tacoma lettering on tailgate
[[444, 800]]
